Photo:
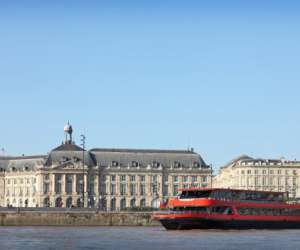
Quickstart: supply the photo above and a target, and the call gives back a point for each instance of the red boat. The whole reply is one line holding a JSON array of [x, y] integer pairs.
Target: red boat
[[214, 208]]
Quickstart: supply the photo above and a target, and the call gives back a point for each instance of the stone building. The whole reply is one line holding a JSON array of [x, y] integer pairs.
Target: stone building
[[110, 179], [245, 172]]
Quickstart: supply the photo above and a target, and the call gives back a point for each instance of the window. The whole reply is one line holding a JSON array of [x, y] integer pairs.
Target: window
[[154, 178], [279, 171], [249, 172], [255, 171], [79, 183], [175, 190], [122, 177], [113, 178], [58, 183], [175, 178], [134, 164], [122, 204], [69, 180], [112, 189], [184, 178], [21, 181], [115, 164], [143, 203], [132, 203], [204, 178], [264, 181], [132, 178], [242, 172], [142, 189], [132, 189], [177, 164], [194, 178], [271, 172], [166, 178], [142, 178], [264, 171], [46, 177], [122, 188], [165, 190], [103, 188], [113, 204], [46, 188]]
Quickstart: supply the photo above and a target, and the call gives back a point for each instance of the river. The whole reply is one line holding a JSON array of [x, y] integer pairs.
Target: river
[[154, 238]]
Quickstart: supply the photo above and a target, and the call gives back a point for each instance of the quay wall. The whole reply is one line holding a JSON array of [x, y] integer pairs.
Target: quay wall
[[21, 217]]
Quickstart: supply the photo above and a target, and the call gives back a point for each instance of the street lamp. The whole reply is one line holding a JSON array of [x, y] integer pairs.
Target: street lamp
[[83, 172]]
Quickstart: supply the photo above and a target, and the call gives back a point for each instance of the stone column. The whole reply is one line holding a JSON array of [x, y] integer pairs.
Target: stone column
[[52, 182], [52, 190], [96, 189], [63, 184], [74, 185]]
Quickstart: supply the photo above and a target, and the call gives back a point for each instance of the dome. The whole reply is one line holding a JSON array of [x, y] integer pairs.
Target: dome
[[68, 128]]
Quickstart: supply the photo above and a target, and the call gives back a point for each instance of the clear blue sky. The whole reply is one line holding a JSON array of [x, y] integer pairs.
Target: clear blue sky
[[220, 77]]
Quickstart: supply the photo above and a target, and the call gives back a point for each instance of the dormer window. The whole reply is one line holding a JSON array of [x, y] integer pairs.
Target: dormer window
[[134, 164], [196, 164], [115, 164], [155, 164], [26, 168], [177, 164]]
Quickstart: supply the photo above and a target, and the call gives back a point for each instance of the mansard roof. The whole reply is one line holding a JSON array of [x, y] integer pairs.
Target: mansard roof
[[20, 163], [145, 157], [67, 152]]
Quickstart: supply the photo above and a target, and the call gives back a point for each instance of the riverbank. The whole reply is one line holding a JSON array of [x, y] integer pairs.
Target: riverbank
[[73, 217]]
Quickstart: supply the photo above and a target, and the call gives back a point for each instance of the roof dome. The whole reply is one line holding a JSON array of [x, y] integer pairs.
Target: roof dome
[[68, 128]]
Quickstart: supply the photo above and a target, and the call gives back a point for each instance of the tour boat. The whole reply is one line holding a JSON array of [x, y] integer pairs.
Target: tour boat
[[213, 208]]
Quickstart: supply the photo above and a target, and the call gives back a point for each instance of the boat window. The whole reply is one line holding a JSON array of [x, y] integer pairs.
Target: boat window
[[268, 211], [190, 209], [189, 194], [222, 210]]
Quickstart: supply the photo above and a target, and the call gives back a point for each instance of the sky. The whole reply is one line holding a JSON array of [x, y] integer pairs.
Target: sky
[[219, 76]]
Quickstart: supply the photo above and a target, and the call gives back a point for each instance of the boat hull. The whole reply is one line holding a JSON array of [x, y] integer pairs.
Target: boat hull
[[200, 223]]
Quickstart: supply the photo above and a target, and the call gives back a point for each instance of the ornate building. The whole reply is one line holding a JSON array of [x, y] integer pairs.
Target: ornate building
[[261, 174], [110, 179]]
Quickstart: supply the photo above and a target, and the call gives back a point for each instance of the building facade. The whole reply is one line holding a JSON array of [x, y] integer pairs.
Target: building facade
[[109, 179], [261, 174]]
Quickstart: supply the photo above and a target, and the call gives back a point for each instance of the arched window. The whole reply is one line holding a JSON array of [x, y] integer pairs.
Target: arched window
[[79, 202], [58, 202], [69, 202], [102, 204], [143, 203], [132, 203], [123, 204], [113, 204], [46, 202]]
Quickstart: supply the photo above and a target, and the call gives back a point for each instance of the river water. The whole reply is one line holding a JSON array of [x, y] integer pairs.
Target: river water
[[154, 238]]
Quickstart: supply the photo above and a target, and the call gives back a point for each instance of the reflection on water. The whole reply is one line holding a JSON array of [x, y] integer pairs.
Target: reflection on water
[[153, 238]]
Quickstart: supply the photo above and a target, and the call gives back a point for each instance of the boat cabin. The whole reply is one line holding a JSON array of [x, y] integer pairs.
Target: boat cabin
[[233, 195]]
